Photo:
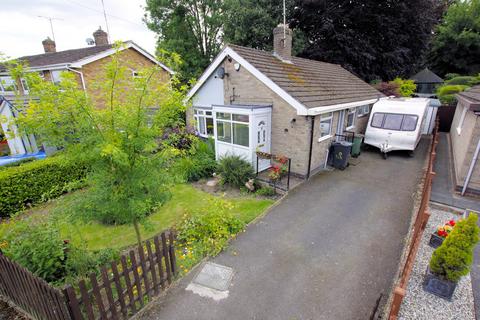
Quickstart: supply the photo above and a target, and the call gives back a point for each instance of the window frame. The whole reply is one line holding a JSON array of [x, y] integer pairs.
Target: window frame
[[199, 115], [59, 72], [362, 111], [323, 118], [232, 124], [401, 124], [351, 111], [2, 85]]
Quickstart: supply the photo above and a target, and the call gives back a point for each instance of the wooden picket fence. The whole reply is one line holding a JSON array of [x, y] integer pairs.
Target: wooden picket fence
[[119, 291], [420, 223]]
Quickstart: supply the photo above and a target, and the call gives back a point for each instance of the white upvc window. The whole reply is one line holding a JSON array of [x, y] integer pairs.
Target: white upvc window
[[351, 119], [203, 122], [233, 128], [363, 110], [462, 119], [24, 85], [7, 84], [55, 75], [326, 121]]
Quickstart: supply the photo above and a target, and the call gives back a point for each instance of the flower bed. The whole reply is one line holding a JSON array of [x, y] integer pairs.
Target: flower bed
[[419, 304]]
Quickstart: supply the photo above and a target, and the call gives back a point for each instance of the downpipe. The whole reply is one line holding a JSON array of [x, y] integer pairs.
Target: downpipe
[[472, 166], [81, 78]]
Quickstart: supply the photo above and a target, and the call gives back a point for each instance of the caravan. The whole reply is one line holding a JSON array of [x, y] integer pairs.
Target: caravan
[[397, 124]]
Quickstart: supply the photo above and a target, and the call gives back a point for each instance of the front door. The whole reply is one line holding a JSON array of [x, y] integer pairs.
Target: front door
[[262, 139]]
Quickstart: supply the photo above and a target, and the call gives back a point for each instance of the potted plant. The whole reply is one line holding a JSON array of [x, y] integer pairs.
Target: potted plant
[[452, 260], [441, 233]]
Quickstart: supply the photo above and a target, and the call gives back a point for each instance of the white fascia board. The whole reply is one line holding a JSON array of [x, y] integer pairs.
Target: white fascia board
[[337, 107], [301, 109], [106, 53], [58, 66]]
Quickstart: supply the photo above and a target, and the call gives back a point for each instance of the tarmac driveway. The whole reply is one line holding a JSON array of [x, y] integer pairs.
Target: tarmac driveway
[[327, 251]]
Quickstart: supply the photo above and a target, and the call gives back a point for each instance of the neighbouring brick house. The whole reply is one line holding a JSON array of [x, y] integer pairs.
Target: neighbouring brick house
[[465, 139], [251, 100], [86, 63]]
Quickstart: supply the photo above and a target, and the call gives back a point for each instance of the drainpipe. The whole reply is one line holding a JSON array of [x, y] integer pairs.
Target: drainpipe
[[470, 170], [312, 127], [81, 77]]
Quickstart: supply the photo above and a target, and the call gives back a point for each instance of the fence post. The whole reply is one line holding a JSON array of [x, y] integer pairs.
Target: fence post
[[72, 303], [398, 295]]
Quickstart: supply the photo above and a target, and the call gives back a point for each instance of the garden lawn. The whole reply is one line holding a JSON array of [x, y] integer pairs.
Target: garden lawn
[[185, 199]]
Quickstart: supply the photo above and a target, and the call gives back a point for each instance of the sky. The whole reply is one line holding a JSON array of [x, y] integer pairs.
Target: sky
[[22, 30]]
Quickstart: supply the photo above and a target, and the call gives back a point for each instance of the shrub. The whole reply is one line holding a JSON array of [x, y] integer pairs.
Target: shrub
[[388, 88], [180, 138], [37, 247], [406, 88], [446, 93], [453, 258], [38, 181], [234, 170], [463, 80], [208, 231], [265, 191]]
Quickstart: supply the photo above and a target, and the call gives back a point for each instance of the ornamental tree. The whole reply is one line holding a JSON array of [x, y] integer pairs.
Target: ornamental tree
[[116, 130]]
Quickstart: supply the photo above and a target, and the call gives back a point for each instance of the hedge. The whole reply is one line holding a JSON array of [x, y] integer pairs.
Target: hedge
[[38, 181]]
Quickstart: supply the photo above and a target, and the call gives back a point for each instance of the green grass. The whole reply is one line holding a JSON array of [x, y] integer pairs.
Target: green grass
[[185, 199]]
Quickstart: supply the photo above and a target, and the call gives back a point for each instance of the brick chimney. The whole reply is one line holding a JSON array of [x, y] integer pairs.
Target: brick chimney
[[282, 42], [49, 45], [101, 37]]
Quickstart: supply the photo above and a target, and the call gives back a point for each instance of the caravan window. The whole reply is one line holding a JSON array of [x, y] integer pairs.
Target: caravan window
[[394, 121]]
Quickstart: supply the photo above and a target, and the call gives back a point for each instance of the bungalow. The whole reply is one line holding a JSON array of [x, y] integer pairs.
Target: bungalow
[[85, 63], [465, 138], [250, 100]]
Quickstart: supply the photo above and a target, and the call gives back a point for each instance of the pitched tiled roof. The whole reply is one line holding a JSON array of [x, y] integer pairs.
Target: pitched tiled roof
[[427, 76], [67, 56], [313, 83], [472, 94]]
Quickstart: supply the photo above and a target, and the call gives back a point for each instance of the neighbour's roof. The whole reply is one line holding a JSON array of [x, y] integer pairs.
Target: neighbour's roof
[[313, 83], [75, 55], [67, 56], [427, 76], [472, 94]]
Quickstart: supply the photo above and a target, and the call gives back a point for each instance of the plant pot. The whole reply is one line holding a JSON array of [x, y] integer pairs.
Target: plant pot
[[435, 240], [438, 286]]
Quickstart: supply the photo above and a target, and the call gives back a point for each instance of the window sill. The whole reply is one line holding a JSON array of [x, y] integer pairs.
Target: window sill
[[362, 115], [324, 138], [350, 128]]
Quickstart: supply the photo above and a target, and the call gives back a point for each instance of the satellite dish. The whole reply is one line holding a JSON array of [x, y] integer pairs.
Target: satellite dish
[[221, 72], [90, 41]]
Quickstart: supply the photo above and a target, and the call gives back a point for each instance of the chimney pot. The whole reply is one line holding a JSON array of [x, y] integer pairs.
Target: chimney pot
[[49, 45], [282, 42], [101, 37]]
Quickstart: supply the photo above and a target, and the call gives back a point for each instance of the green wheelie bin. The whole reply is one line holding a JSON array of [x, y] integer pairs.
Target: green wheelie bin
[[356, 145]]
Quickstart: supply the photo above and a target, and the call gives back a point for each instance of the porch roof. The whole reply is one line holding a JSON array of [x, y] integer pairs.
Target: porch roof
[[243, 106]]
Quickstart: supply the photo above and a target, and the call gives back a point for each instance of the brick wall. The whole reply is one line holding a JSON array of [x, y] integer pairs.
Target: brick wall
[[288, 138]]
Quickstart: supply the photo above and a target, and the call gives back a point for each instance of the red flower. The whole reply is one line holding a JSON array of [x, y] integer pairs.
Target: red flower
[[451, 223], [442, 233]]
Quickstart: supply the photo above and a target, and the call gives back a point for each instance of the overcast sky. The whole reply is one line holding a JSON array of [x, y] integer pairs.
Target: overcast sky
[[22, 31]]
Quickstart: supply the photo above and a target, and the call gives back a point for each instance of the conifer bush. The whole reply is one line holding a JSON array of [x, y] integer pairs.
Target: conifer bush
[[453, 258]]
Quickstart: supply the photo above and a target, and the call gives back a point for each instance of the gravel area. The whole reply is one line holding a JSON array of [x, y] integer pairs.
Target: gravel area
[[420, 305]]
